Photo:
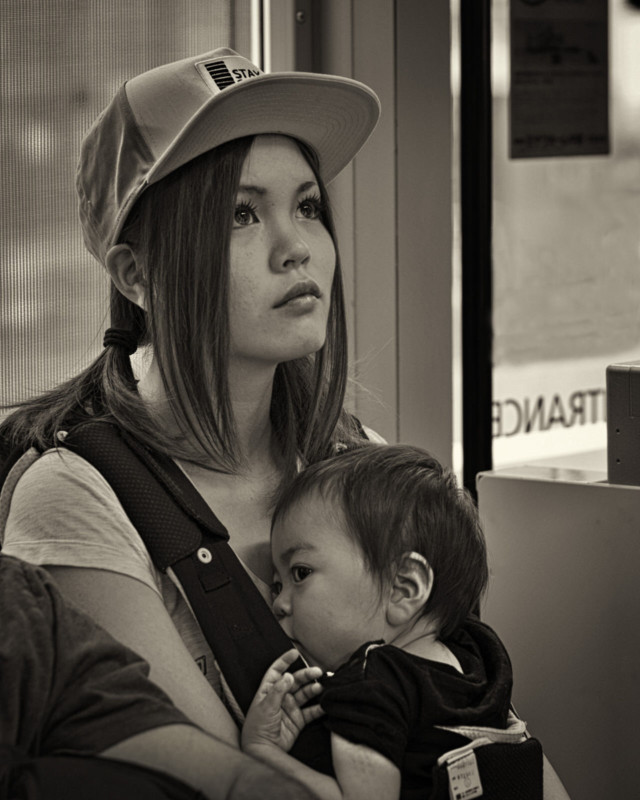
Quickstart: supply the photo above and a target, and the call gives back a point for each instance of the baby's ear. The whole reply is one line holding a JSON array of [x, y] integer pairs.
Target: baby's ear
[[411, 588]]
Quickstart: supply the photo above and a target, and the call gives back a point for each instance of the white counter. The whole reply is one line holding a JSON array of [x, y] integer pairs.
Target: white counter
[[564, 595]]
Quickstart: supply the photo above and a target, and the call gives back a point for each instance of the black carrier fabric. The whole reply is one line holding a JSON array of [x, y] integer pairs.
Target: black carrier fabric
[[175, 524], [507, 771]]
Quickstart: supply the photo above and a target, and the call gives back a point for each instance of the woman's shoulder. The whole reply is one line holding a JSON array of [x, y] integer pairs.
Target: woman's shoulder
[[33, 477], [59, 510], [56, 481], [40, 479], [58, 461]]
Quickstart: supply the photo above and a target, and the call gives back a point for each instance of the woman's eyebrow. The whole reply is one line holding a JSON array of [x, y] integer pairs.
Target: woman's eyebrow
[[304, 187], [250, 188]]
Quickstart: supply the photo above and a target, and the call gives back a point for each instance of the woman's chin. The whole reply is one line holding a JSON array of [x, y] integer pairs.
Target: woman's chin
[[303, 350]]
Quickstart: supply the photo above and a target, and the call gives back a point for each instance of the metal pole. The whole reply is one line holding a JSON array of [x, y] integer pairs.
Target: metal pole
[[476, 216]]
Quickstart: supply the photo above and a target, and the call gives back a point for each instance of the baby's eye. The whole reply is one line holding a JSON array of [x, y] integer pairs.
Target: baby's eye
[[276, 588], [300, 573], [311, 207], [244, 214]]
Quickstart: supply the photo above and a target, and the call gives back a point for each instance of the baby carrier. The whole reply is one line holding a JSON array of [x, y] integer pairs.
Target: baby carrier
[[182, 534], [496, 764]]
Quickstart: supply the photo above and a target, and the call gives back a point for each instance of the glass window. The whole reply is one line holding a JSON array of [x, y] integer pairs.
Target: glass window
[[566, 246], [62, 62]]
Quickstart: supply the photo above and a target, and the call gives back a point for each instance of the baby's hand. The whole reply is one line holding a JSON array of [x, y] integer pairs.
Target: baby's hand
[[275, 716]]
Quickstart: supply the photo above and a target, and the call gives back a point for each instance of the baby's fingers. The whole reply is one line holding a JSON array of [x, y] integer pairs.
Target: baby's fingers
[[306, 675], [275, 693], [302, 715], [282, 664], [307, 692], [311, 713], [278, 668]]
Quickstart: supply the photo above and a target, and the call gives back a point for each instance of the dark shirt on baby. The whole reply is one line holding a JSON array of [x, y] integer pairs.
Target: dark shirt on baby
[[392, 701]]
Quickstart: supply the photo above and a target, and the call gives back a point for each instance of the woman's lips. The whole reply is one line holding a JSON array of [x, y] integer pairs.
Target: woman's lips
[[301, 293]]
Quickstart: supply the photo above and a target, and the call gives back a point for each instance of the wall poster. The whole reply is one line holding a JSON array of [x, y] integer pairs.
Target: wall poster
[[559, 99]]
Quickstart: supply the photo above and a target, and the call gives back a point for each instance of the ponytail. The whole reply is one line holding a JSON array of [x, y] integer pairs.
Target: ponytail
[[106, 389]]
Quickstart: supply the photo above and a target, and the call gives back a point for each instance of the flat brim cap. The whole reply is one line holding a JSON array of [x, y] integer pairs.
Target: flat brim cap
[[169, 115]]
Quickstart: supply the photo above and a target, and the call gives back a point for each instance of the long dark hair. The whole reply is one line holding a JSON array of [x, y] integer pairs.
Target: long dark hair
[[180, 231]]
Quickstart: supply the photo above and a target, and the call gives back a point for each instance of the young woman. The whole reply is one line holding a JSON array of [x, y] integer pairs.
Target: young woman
[[202, 192]]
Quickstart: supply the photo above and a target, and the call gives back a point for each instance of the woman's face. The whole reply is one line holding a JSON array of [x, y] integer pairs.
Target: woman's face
[[282, 258]]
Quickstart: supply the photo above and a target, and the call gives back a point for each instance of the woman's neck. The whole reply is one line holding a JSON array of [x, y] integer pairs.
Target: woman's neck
[[251, 403], [250, 394]]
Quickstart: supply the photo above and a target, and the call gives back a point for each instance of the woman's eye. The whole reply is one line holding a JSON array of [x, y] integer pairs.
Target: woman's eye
[[300, 573], [310, 207], [244, 214]]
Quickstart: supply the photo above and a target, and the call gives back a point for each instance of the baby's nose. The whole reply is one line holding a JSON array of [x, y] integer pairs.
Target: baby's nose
[[279, 607]]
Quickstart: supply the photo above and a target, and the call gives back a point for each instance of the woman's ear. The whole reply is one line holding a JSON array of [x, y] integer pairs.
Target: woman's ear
[[411, 588], [126, 273]]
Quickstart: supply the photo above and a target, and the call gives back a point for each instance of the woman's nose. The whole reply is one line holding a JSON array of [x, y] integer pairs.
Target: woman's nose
[[290, 250]]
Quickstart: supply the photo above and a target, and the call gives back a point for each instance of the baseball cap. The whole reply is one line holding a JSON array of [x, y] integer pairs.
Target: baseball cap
[[163, 118]]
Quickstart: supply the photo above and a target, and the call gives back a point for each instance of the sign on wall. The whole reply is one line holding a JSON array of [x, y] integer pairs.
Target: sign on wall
[[559, 99]]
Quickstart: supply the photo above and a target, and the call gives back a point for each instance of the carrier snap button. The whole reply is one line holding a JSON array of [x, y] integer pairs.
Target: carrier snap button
[[204, 555]]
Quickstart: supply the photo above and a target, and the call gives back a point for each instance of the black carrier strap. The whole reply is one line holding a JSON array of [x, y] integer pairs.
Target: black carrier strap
[[181, 532]]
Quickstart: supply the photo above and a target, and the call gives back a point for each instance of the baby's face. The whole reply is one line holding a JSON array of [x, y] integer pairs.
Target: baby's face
[[328, 603]]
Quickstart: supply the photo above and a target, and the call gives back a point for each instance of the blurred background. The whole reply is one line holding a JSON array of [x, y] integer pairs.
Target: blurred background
[[490, 242], [565, 242], [62, 62]]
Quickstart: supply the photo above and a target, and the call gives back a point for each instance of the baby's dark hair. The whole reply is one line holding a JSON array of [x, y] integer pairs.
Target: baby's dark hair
[[399, 498]]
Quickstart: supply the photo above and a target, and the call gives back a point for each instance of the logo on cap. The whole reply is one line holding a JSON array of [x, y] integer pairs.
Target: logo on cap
[[224, 72], [220, 74]]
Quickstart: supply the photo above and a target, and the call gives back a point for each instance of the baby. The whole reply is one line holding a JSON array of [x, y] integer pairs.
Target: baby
[[380, 564]]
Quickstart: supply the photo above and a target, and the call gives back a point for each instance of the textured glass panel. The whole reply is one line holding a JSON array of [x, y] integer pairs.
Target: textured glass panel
[[62, 61], [565, 246]]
